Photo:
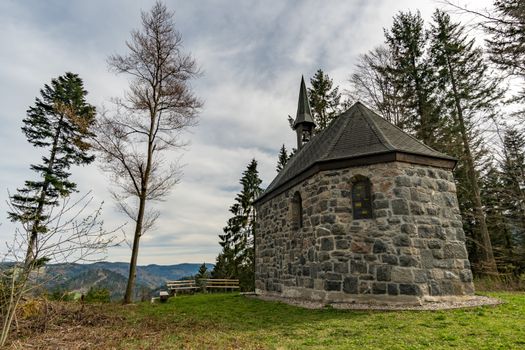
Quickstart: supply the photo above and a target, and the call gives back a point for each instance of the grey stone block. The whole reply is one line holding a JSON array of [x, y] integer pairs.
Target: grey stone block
[[400, 207], [327, 243], [358, 267], [393, 289], [401, 274], [379, 247], [420, 276], [341, 244], [341, 267], [381, 213], [434, 288], [350, 285], [435, 244], [455, 251], [409, 229], [417, 208], [332, 285], [407, 260], [333, 276], [381, 204], [402, 240], [426, 231], [328, 219], [465, 276], [338, 230], [379, 288], [389, 259], [383, 272], [409, 289], [403, 181]]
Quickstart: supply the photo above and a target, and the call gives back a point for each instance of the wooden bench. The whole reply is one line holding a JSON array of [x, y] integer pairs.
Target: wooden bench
[[163, 296], [182, 286], [220, 284]]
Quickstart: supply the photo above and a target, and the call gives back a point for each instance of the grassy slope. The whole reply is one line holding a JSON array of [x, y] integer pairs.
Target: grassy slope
[[224, 321]]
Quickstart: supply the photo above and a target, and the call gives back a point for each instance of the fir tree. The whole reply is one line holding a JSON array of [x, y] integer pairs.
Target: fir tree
[[492, 191], [201, 275], [513, 195], [59, 122], [507, 38], [220, 270], [324, 99], [468, 91], [238, 238], [412, 77], [283, 159], [203, 272]]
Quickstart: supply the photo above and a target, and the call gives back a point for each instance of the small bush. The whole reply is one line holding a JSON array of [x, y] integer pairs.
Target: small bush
[[97, 295], [61, 295]]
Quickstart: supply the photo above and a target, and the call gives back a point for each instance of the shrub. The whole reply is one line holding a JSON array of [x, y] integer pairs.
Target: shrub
[[97, 295]]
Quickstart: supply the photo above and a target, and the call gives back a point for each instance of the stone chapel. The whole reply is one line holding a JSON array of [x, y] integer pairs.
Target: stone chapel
[[362, 213]]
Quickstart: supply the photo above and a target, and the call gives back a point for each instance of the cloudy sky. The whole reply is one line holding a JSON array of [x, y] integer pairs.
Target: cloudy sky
[[252, 54]]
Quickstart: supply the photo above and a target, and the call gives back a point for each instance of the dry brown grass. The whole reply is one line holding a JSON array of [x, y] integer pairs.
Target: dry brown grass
[[43, 324]]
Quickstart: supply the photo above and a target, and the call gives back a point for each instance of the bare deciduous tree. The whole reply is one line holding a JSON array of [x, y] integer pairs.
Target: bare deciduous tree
[[71, 236], [371, 85], [148, 121]]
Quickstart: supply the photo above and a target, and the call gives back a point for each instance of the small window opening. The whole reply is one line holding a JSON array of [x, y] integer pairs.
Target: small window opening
[[297, 211], [361, 199]]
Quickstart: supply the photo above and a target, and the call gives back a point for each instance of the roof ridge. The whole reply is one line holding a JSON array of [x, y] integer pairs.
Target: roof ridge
[[385, 141], [339, 134], [401, 130]]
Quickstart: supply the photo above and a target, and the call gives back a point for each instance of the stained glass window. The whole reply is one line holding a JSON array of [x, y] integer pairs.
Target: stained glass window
[[361, 199], [297, 211]]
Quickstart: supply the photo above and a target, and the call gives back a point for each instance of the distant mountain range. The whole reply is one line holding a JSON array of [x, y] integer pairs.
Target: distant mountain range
[[113, 276]]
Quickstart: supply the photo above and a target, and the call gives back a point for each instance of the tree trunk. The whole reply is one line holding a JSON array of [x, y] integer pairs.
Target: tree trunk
[[128, 297], [488, 261], [31, 244]]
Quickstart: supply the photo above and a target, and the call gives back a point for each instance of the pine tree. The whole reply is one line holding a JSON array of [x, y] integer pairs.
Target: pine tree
[[324, 99], [238, 237], [283, 159], [412, 77], [469, 91], [59, 122]]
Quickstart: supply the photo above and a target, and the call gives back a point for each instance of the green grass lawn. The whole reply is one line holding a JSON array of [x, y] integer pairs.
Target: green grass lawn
[[230, 321]]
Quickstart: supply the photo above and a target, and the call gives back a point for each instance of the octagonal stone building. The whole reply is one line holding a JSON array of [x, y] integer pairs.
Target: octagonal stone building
[[362, 213]]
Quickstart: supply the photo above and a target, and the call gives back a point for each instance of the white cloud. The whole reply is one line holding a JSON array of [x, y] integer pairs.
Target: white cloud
[[252, 55]]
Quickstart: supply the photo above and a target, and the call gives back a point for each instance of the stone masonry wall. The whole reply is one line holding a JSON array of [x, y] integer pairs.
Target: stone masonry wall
[[413, 248]]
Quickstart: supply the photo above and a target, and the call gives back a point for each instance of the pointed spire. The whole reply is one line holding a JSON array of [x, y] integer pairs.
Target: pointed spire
[[304, 114]]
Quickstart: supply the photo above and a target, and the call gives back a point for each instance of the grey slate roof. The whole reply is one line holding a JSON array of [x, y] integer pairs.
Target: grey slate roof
[[359, 132], [304, 114]]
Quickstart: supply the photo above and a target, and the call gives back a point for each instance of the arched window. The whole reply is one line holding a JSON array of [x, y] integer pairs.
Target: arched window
[[361, 198], [297, 211]]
